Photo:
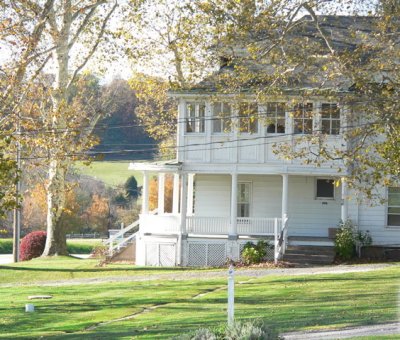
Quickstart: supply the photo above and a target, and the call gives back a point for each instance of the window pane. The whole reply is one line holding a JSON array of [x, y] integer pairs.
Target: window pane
[[394, 211], [394, 220], [248, 121], [325, 188]]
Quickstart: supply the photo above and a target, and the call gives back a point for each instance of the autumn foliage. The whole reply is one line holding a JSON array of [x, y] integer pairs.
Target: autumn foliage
[[168, 193], [32, 245]]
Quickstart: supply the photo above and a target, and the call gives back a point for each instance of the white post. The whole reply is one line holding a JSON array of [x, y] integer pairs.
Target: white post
[[190, 194], [345, 204], [175, 199], [276, 240], [161, 190], [234, 188], [145, 193], [183, 204], [285, 193], [231, 296]]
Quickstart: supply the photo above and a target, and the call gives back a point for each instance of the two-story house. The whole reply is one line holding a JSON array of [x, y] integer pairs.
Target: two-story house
[[231, 186]]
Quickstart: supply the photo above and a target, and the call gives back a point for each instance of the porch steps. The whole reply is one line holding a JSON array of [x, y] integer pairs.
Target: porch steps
[[309, 255]]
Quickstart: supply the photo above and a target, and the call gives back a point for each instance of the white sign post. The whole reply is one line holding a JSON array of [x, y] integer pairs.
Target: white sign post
[[231, 296]]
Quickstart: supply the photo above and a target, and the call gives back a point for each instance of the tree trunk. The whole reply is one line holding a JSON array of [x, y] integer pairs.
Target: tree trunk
[[56, 241]]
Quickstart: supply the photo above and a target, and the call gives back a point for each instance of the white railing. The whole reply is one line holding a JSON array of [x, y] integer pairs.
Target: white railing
[[118, 240], [207, 225], [257, 226], [159, 224]]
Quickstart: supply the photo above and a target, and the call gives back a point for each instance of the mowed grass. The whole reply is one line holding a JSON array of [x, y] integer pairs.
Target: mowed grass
[[112, 173], [67, 268], [75, 246], [285, 302]]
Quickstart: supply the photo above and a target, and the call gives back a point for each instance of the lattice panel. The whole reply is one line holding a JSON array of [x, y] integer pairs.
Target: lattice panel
[[197, 255], [167, 257], [152, 254], [270, 251], [216, 255]]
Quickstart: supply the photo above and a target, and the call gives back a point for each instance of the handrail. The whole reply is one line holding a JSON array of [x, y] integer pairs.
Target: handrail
[[281, 240]]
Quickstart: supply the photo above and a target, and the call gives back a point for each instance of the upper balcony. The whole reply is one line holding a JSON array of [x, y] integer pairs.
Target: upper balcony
[[219, 132]]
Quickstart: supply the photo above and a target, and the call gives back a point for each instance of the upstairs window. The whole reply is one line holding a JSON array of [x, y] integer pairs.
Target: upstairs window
[[303, 118], [393, 218], [325, 188], [222, 113], [195, 115], [276, 117], [330, 119], [248, 118]]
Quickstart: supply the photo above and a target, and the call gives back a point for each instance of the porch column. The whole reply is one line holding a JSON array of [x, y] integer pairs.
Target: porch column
[[175, 198], [345, 203], [285, 190], [145, 193], [233, 224], [183, 204], [190, 194], [161, 190]]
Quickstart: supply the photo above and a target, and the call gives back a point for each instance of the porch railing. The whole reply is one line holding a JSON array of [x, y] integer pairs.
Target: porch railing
[[207, 225], [257, 226]]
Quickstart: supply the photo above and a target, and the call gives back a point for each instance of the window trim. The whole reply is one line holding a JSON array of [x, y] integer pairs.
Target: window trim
[[221, 119], [330, 119], [302, 118], [275, 118], [196, 118], [240, 117], [387, 211], [316, 197], [250, 184]]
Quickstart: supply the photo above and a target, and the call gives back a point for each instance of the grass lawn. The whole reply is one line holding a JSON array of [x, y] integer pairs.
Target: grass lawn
[[75, 246], [112, 173], [285, 302]]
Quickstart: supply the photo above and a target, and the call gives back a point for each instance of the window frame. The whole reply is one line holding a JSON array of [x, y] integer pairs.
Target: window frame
[[222, 120], [330, 119], [274, 119], [238, 202], [325, 198], [247, 119], [199, 122], [390, 206], [304, 107]]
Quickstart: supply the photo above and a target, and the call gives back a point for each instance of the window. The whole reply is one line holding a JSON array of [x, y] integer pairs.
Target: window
[[325, 188], [276, 118], [248, 118], [393, 218], [243, 200], [195, 114], [222, 117], [330, 119], [302, 118]]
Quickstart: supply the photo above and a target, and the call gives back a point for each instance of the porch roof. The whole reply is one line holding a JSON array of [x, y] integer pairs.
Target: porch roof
[[158, 166]]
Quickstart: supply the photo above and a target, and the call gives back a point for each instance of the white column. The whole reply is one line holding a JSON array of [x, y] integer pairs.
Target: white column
[[175, 198], [285, 191], [345, 202], [161, 190], [234, 187], [183, 204], [190, 194], [145, 193]]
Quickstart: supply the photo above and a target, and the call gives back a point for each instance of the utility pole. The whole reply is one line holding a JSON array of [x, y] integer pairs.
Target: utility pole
[[17, 210]]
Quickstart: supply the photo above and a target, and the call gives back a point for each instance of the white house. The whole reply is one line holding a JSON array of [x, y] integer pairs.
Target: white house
[[231, 187]]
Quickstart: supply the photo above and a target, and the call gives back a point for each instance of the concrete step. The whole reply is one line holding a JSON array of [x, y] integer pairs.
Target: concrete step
[[310, 250]]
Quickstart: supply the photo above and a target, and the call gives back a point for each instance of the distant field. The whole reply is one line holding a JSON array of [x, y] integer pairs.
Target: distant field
[[112, 173]]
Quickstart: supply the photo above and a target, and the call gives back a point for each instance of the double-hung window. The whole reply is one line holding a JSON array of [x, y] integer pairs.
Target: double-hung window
[[303, 118], [330, 119], [195, 116], [243, 200], [276, 117], [393, 217], [222, 121], [248, 118]]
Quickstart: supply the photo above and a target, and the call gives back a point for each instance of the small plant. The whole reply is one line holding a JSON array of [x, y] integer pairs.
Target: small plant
[[254, 253], [250, 330], [349, 241], [32, 245]]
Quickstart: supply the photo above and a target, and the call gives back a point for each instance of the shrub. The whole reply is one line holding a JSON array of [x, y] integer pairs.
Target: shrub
[[254, 253], [349, 241], [32, 245]]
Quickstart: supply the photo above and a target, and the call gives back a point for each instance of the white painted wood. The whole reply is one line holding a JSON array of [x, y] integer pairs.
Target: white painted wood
[[200, 225], [160, 224], [183, 211], [161, 192], [145, 193], [285, 194], [175, 198], [345, 201], [231, 296], [190, 193], [234, 188]]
